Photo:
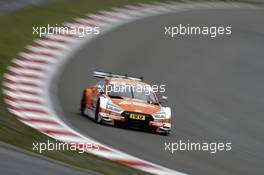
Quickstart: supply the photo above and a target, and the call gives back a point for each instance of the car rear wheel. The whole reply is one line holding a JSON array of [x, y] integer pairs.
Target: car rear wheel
[[83, 104]]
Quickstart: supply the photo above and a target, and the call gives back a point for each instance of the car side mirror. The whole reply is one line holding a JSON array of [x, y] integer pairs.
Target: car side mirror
[[163, 99]]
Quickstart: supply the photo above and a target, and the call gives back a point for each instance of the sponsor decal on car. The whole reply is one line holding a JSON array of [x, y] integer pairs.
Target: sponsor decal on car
[[137, 116]]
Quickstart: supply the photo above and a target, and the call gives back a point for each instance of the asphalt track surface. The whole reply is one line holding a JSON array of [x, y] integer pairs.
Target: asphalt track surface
[[8, 6], [13, 162], [215, 88]]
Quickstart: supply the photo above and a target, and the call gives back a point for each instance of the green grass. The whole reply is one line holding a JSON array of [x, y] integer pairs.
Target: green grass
[[15, 33]]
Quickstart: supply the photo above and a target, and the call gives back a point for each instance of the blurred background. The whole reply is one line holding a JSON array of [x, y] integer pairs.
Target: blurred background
[[214, 88]]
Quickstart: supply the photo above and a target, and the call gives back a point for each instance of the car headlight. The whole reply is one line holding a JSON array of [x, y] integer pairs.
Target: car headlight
[[160, 114], [113, 108]]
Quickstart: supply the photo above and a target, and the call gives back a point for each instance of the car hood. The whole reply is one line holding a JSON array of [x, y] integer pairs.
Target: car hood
[[136, 105]]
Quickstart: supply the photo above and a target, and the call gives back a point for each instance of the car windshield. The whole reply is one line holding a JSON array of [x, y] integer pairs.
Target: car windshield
[[120, 91]]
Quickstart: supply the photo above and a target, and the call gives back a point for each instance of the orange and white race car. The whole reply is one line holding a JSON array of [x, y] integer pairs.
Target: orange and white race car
[[121, 99]]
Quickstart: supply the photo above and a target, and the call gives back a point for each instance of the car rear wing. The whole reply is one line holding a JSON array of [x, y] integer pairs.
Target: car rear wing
[[99, 74]]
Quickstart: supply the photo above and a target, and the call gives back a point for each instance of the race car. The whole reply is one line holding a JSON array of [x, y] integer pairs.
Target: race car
[[121, 99]]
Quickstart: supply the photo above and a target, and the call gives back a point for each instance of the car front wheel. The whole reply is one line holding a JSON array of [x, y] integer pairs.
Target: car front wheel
[[97, 118]]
